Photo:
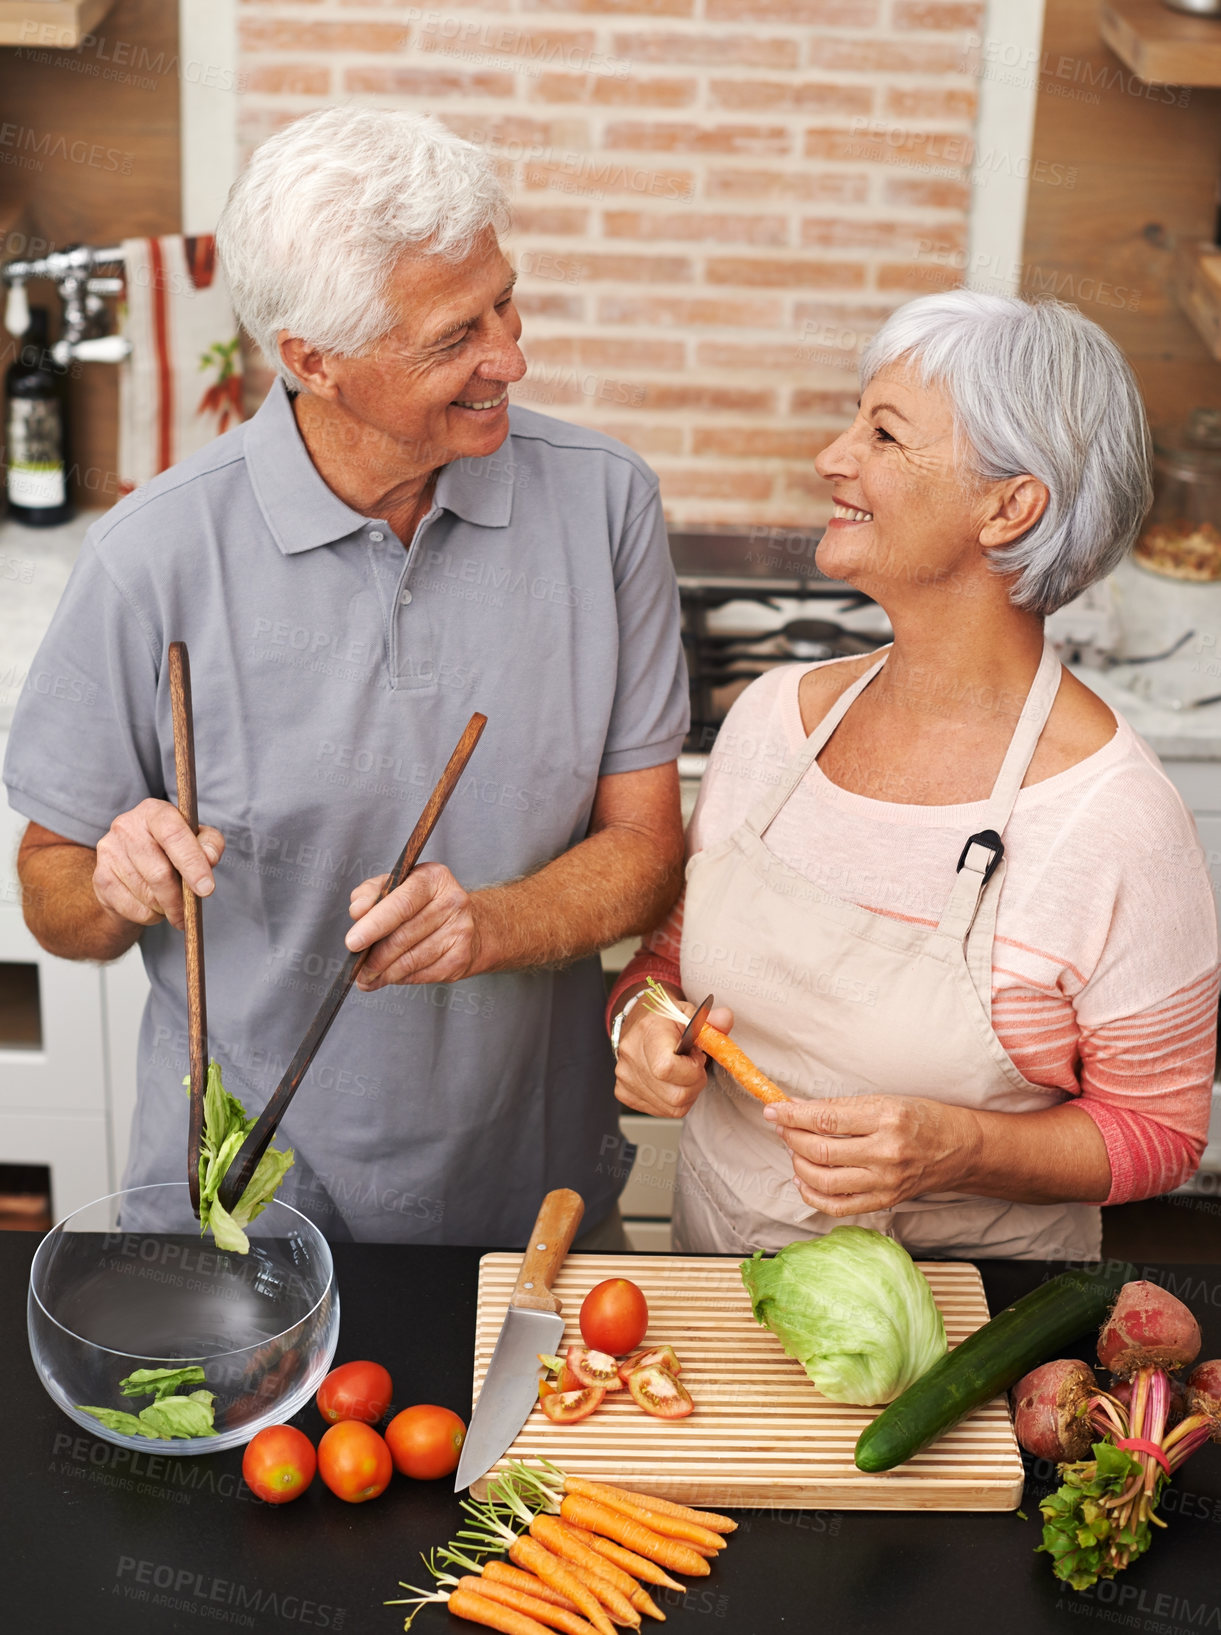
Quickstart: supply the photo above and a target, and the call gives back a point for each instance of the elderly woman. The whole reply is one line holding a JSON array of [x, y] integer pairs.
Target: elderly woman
[[953, 905], [385, 547]]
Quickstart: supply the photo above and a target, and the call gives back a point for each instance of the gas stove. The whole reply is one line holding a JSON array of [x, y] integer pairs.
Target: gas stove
[[752, 599]]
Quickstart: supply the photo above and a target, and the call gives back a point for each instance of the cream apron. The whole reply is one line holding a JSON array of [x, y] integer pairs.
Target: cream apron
[[833, 1000]]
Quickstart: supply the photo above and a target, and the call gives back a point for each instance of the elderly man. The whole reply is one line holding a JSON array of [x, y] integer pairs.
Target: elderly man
[[382, 549]]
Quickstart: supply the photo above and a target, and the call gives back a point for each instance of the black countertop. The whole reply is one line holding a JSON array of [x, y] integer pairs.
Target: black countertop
[[101, 1540]]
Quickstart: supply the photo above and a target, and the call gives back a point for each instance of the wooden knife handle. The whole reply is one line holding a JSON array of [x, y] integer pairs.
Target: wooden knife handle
[[550, 1241]]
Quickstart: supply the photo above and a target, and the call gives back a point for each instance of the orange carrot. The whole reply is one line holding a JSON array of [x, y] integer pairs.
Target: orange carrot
[[528, 1583], [633, 1535], [617, 1497], [479, 1609], [602, 1565], [543, 1612], [639, 1566], [527, 1552], [702, 1539], [559, 1536], [716, 1044], [555, 1534], [738, 1064]]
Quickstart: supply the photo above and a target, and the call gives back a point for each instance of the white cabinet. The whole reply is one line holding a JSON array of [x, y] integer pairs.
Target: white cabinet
[[67, 1102]]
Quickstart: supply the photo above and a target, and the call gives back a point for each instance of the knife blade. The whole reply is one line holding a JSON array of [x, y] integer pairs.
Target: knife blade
[[532, 1324]]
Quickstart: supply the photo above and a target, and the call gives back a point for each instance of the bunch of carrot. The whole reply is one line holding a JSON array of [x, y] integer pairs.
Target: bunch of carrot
[[579, 1563]]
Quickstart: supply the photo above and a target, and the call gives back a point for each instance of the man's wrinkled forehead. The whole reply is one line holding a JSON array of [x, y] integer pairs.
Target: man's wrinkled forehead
[[438, 299]]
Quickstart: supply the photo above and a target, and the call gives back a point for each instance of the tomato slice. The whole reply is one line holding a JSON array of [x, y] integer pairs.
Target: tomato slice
[[566, 1406], [596, 1368], [663, 1354], [659, 1393]]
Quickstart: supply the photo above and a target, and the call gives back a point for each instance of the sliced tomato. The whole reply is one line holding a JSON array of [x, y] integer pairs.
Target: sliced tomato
[[566, 1406], [546, 1387], [663, 1354], [550, 1363], [659, 1393], [597, 1368]]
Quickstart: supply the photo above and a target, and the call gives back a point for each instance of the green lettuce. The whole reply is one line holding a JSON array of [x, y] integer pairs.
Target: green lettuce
[[168, 1415], [853, 1308], [225, 1128]]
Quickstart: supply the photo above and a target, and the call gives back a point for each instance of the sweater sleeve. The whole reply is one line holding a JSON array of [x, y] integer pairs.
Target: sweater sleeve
[[657, 957], [1146, 1081]]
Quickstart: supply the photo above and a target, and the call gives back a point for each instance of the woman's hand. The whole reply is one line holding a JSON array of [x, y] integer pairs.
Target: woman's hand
[[856, 1154], [649, 1077]]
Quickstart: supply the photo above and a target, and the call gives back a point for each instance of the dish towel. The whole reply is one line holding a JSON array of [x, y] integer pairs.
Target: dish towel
[[181, 384]]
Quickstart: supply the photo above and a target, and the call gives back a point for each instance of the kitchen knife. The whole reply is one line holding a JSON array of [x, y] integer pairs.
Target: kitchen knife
[[532, 1324]]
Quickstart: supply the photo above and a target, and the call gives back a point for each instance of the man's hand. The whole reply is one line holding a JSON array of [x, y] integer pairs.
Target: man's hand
[[649, 1077], [143, 858], [426, 931], [856, 1154]]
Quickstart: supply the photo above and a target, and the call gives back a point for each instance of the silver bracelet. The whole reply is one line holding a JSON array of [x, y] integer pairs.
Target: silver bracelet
[[620, 1018]]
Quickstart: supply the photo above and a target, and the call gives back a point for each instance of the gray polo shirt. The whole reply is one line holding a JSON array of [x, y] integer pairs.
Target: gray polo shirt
[[333, 672]]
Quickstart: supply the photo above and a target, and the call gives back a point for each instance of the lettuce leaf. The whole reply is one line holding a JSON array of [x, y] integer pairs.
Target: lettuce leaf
[[160, 1382], [167, 1415], [853, 1308], [225, 1128]]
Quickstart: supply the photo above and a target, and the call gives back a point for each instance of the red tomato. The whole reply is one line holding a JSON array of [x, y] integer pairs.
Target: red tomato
[[590, 1367], [425, 1441], [565, 1406], [354, 1461], [358, 1390], [279, 1463], [614, 1316], [659, 1393], [663, 1354]]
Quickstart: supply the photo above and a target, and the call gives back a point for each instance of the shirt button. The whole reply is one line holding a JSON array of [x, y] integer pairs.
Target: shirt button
[[376, 535], [405, 598]]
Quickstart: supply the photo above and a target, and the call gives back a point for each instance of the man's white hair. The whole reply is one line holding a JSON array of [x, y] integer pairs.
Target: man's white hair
[[1036, 388], [316, 223]]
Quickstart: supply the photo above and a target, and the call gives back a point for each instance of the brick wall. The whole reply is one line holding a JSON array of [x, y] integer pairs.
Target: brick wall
[[716, 200]]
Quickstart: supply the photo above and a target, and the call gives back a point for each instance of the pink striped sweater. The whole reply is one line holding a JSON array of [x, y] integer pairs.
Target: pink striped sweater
[[1105, 962]]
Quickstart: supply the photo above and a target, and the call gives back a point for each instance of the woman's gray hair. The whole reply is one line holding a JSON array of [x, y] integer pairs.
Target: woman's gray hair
[[1036, 388], [316, 223]]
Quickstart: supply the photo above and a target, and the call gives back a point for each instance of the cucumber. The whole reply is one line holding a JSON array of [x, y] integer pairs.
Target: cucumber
[[996, 1356]]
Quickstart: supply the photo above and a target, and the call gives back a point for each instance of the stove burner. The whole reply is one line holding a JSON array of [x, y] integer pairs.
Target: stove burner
[[723, 660]]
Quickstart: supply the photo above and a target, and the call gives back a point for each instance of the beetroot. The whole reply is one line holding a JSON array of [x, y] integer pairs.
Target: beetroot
[[1148, 1328], [1204, 1394], [1050, 1409]]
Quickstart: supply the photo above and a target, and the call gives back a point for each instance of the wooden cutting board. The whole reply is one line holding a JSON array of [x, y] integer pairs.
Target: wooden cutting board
[[761, 1434]]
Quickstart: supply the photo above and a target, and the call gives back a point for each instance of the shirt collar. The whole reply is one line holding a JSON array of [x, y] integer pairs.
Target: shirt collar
[[297, 505], [302, 511]]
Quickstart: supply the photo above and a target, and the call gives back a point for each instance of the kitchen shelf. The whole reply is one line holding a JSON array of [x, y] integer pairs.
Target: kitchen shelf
[[1198, 287], [57, 25], [1161, 46]]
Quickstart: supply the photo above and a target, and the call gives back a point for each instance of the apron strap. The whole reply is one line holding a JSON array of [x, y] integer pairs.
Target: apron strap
[[765, 811], [982, 854]]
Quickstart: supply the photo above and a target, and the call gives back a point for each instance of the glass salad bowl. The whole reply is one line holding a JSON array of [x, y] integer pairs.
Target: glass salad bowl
[[128, 1283]]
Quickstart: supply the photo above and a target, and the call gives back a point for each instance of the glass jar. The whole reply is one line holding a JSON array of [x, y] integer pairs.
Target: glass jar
[[1181, 537]]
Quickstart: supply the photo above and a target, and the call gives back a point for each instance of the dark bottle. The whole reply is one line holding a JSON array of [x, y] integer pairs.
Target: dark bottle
[[35, 445]]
